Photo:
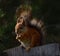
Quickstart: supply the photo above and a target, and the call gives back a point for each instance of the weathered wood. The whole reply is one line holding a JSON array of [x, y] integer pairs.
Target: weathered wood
[[46, 50]]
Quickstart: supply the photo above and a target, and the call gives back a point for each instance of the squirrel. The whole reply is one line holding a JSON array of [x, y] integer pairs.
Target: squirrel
[[29, 30]]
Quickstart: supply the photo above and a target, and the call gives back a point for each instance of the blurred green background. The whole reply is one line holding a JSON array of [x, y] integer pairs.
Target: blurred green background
[[47, 10]]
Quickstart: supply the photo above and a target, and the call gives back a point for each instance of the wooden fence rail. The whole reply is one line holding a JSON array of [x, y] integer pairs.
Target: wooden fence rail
[[45, 50]]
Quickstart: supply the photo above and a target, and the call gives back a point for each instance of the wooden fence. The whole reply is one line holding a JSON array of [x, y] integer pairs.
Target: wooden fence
[[45, 50]]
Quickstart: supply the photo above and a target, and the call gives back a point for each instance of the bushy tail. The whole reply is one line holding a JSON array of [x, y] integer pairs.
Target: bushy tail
[[40, 25]]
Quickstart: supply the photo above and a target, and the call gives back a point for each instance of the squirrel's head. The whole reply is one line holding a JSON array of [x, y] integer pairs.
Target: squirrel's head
[[24, 12]]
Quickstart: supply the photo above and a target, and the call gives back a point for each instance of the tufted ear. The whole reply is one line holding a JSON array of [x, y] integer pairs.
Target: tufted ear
[[22, 8], [26, 7]]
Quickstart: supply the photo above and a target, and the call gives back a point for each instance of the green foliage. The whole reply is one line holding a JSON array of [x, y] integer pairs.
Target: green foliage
[[1, 13], [2, 47]]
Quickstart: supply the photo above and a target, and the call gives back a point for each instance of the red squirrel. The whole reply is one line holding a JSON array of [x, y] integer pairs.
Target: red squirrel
[[29, 30]]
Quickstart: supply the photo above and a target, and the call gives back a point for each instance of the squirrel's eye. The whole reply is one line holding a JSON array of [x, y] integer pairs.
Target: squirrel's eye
[[21, 17]]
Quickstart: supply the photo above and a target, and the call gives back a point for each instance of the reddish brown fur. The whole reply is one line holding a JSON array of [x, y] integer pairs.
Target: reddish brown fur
[[31, 35]]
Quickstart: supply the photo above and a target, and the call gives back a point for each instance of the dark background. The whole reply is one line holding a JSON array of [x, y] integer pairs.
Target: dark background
[[47, 10]]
